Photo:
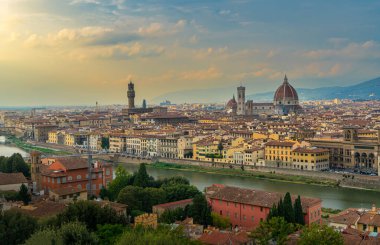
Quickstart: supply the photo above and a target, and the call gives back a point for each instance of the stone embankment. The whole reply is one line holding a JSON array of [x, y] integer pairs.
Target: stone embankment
[[343, 180]]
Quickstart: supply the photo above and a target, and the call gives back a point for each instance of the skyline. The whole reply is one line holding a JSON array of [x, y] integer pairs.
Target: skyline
[[81, 51]]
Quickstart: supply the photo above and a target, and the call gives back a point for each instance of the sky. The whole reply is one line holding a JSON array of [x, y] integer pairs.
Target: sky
[[77, 52]]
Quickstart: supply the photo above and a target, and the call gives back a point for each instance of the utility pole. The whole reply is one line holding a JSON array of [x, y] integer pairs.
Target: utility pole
[[89, 190]]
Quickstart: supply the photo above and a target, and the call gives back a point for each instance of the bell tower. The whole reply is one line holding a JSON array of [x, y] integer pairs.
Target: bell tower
[[131, 95], [35, 162], [241, 100]]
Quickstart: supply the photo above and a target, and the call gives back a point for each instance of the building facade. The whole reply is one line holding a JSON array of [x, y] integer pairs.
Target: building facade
[[248, 207]]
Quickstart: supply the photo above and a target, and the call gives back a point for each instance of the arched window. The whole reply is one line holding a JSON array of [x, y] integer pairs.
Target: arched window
[[69, 178], [79, 177]]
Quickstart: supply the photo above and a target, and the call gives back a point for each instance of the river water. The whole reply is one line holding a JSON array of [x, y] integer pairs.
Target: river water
[[332, 197], [7, 150]]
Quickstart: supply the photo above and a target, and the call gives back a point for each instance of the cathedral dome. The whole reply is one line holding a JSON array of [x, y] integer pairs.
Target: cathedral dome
[[285, 94]]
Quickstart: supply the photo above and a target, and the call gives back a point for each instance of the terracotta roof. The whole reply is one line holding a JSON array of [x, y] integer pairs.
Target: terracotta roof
[[12, 178], [67, 191], [347, 217], [169, 204], [370, 219], [225, 238], [45, 208], [310, 150], [71, 163], [280, 143], [254, 197]]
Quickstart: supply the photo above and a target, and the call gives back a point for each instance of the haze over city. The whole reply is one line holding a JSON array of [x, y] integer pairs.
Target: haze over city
[[81, 51]]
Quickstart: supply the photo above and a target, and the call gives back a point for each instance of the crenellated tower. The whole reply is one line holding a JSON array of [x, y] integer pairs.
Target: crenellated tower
[[131, 95]]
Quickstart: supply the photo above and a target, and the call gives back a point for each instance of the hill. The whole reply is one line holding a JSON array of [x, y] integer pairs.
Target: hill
[[361, 91]]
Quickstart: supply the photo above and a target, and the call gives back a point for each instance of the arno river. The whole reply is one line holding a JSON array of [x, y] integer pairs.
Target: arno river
[[332, 197]]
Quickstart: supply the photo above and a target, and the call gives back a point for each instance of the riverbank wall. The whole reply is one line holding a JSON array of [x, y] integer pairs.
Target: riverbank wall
[[309, 177]]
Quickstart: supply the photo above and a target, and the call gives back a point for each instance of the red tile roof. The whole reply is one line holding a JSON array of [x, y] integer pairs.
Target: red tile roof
[[254, 197], [12, 178]]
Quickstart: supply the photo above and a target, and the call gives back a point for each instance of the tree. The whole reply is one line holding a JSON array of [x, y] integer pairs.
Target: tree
[[162, 235], [288, 208], [276, 230], [170, 216], [122, 179], [90, 213], [280, 208], [220, 148], [16, 227], [68, 233], [109, 234], [105, 143], [180, 192], [24, 194], [320, 235], [200, 210], [150, 197], [298, 213], [273, 212], [141, 178], [14, 164], [131, 195], [220, 221]]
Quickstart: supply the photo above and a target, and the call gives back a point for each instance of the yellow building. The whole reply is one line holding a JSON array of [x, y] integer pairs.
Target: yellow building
[[315, 159], [205, 147], [279, 153], [69, 139], [53, 137]]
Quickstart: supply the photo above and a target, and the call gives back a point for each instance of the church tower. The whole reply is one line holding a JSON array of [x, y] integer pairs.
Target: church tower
[[35, 162], [131, 95], [241, 100]]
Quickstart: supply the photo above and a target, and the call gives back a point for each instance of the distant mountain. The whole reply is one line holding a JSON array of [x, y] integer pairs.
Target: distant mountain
[[364, 90]]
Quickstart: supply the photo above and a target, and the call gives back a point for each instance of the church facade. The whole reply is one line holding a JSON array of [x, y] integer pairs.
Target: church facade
[[285, 101]]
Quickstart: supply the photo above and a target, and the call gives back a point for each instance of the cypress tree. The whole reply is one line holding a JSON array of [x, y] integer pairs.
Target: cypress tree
[[142, 177], [280, 208], [288, 208], [298, 214], [273, 212]]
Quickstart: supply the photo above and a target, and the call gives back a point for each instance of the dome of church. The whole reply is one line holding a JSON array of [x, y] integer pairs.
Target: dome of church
[[285, 94]]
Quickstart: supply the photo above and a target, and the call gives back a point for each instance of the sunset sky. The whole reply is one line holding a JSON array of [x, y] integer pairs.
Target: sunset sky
[[57, 52]]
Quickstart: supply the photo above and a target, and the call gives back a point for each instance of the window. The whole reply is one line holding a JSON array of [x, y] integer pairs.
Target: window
[[79, 186], [252, 218], [52, 180], [228, 214], [244, 218], [261, 209], [69, 178], [58, 180], [79, 177], [235, 205], [221, 212], [48, 179], [235, 215], [63, 179]]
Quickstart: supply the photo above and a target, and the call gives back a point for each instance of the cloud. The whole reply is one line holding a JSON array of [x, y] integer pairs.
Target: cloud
[[119, 51], [199, 75], [66, 35], [160, 29], [352, 50]]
